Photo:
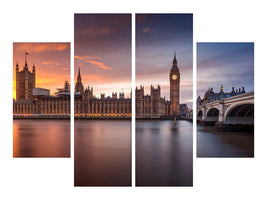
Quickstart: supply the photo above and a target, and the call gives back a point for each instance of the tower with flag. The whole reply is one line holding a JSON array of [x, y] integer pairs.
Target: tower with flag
[[25, 81]]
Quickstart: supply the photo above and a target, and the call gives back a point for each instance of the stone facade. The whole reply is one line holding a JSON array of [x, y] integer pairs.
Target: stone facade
[[44, 104], [174, 78], [87, 105], [153, 105], [211, 96], [150, 106], [25, 82]]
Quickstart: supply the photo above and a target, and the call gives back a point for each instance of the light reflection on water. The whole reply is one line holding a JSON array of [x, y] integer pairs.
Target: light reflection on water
[[211, 143], [41, 138], [164, 155], [102, 153]]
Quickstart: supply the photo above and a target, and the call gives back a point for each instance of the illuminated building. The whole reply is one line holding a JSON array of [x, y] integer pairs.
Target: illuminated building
[[87, 105]]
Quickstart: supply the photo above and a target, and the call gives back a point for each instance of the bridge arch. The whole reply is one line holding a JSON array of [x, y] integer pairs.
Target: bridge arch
[[212, 114], [199, 115], [240, 113]]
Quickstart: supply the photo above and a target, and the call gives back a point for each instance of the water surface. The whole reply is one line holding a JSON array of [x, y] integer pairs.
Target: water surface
[[41, 138], [164, 155], [102, 153], [211, 143]]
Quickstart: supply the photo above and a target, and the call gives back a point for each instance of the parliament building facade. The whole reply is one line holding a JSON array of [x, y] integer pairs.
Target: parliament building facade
[[153, 105], [38, 101]]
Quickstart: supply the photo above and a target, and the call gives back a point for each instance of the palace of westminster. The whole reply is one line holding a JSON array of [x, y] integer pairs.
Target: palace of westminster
[[34, 101]]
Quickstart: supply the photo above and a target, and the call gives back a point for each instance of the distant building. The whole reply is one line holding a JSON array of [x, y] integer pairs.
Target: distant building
[[211, 96], [41, 92], [63, 91]]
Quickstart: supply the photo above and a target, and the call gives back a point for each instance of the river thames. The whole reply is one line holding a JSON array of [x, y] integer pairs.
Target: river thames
[[211, 143], [41, 138], [164, 153], [102, 153]]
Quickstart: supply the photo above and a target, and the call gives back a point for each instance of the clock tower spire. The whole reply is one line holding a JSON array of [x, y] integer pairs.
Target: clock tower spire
[[174, 87]]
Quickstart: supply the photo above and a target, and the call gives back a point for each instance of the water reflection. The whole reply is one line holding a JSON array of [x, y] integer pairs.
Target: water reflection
[[41, 138], [211, 143], [164, 155], [102, 153]]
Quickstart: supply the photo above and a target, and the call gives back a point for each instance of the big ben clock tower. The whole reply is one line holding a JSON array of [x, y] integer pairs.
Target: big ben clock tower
[[174, 88]]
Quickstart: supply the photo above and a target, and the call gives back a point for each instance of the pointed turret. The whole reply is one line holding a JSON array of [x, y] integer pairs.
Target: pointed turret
[[33, 68], [79, 86], [174, 63], [79, 78], [17, 67], [26, 64], [174, 59]]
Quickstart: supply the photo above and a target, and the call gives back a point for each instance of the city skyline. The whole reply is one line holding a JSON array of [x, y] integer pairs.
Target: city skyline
[[51, 60], [102, 49], [227, 64], [158, 37]]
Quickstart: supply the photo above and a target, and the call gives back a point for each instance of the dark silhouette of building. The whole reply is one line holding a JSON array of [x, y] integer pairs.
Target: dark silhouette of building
[[25, 82]]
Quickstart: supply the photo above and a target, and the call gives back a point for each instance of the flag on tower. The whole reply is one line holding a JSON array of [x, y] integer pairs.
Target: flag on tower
[[26, 53]]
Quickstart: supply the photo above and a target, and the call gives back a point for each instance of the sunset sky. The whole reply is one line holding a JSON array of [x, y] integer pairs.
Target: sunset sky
[[102, 49], [227, 64], [51, 60], [157, 37]]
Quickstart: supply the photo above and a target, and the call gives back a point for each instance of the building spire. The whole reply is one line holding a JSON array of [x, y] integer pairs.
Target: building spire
[[79, 74], [174, 59], [33, 68], [26, 65], [17, 66]]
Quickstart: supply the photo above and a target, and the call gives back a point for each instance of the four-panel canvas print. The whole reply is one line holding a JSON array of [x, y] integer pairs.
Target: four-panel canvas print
[[105, 101]]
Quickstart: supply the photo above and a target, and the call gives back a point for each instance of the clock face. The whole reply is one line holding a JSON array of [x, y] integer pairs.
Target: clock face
[[174, 77]]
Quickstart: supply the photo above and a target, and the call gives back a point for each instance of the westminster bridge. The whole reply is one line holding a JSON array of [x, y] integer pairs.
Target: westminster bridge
[[233, 110]]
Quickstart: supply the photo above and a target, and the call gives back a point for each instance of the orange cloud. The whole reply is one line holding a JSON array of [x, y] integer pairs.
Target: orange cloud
[[146, 30], [95, 60], [87, 57], [51, 63], [41, 47], [99, 64]]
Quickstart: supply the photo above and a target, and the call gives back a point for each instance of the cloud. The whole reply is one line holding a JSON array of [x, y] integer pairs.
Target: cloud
[[146, 30], [95, 60], [41, 47], [51, 63], [87, 57], [99, 64]]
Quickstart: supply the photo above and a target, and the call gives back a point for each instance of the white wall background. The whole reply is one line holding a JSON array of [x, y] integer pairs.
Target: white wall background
[[52, 21]]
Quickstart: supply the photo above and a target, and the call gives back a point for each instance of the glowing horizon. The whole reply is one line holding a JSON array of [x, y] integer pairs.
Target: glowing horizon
[[102, 44], [158, 36], [51, 60], [230, 64]]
